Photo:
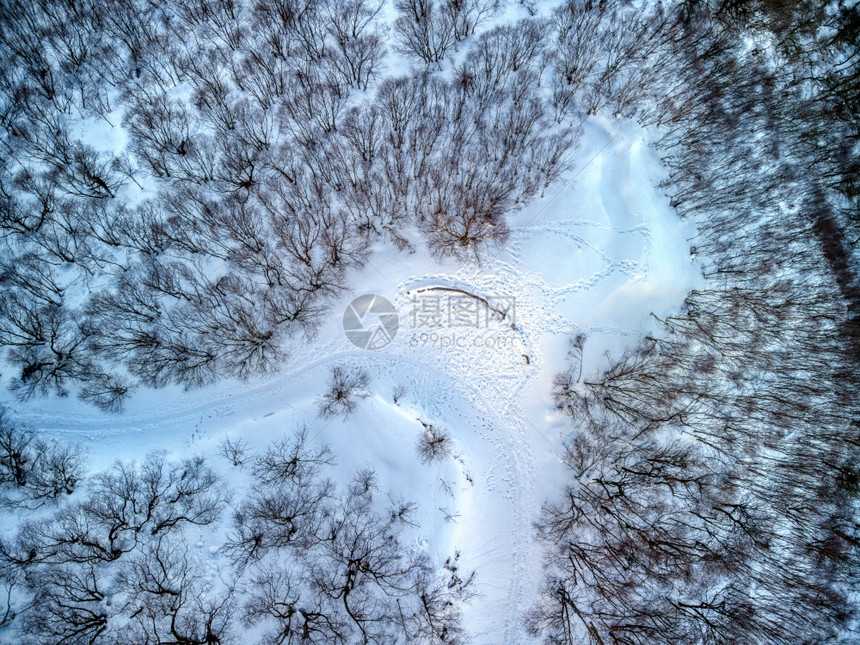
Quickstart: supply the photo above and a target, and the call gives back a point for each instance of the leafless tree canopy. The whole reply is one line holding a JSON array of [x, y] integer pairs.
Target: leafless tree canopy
[[34, 472], [328, 566], [267, 176], [346, 387], [305, 561], [713, 467], [434, 444]]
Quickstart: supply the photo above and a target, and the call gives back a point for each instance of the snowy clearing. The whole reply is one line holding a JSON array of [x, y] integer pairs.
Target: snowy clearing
[[596, 255]]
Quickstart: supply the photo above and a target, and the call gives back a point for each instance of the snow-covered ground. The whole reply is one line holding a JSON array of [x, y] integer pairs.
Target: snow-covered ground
[[596, 255]]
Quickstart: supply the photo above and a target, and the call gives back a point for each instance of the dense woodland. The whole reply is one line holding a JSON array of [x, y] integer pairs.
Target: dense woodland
[[275, 171], [714, 467], [308, 561], [714, 471]]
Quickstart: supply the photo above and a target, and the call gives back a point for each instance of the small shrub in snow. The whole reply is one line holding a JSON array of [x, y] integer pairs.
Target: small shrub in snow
[[434, 444], [234, 450], [346, 387]]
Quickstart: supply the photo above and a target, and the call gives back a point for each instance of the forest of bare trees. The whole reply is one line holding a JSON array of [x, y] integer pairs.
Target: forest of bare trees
[[269, 177], [713, 468], [307, 560]]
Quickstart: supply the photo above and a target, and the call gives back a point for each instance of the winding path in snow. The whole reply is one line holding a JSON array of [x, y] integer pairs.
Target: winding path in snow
[[596, 258]]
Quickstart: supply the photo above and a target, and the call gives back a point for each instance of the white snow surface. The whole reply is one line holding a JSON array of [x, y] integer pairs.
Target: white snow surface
[[597, 255]]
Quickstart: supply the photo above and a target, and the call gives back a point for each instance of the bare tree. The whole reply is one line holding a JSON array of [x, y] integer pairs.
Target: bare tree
[[125, 505], [107, 392], [68, 605], [291, 504], [10, 578], [346, 387], [234, 450], [48, 346], [34, 471], [364, 568], [292, 458], [425, 29], [276, 598], [436, 618], [434, 444], [328, 566], [171, 599], [357, 39]]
